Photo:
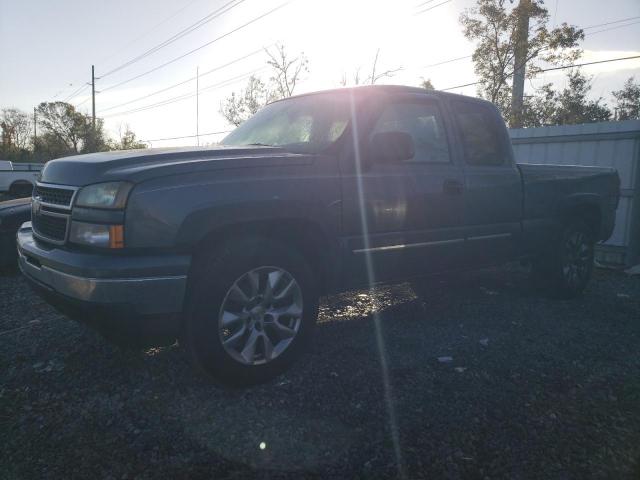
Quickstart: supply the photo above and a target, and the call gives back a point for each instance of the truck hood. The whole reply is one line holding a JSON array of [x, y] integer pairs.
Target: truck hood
[[145, 164]]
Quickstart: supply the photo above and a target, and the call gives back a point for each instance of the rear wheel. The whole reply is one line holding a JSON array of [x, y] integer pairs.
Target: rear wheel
[[565, 271], [252, 307]]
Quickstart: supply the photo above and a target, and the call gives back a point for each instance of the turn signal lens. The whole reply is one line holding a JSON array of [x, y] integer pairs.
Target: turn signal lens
[[116, 236], [96, 235]]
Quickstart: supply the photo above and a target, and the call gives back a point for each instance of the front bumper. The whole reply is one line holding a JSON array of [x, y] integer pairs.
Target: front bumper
[[142, 285]]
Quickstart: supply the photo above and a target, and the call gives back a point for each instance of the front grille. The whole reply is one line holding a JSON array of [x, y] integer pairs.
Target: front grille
[[54, 196], [54, 228]]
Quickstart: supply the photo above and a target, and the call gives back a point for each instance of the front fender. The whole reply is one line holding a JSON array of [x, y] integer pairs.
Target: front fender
[[179, 212]]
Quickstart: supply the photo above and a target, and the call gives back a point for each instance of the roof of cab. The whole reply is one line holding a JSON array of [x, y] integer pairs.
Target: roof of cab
[[387, 89]]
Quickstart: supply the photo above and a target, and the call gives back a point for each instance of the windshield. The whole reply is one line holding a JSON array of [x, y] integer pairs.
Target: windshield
[[306, 124]]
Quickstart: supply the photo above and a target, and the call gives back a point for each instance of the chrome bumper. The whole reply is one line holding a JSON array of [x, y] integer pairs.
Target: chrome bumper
[[113, 285]]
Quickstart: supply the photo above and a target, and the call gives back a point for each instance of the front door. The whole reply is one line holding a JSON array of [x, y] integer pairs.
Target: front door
[[403, 218]]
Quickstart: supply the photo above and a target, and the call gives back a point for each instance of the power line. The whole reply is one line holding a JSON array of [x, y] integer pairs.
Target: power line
[[191, 28], [76, 92], [612, 28], [590, 63], [431, 8], [147, 32], [424, 3], [586, 34], [187, 136], [575, 65], [135, 40], [220, 67], [84, 101], [244, 25], [184, 96], [610, 23], [447, 61], [459, 86]]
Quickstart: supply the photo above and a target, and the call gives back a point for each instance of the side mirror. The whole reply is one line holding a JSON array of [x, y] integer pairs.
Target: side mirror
[[392, 146]]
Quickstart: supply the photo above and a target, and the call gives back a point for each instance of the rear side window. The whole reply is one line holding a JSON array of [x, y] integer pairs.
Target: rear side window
[[481, 134], [421, 120]]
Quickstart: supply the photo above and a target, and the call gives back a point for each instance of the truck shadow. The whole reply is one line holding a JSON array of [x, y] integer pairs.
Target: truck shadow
[[322, 409]]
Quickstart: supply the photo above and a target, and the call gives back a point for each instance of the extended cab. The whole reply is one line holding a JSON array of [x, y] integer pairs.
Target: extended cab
[[230, 247]]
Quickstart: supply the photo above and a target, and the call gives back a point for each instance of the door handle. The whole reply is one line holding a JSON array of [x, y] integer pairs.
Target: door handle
[[452, 187]]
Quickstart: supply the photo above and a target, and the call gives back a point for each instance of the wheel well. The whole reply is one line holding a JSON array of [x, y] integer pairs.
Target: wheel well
[[303, 235], [19, 185], [589, 213]]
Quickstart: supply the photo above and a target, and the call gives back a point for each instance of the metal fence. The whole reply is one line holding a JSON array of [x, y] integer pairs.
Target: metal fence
[[605, 144]]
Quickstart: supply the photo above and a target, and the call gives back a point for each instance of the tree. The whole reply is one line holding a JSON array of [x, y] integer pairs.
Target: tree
[[62, 131], [356, 79], [627, 105], [67, 131], [427, 84], [62, 122], [49, 146], [128, 140], [373, 78], [286, 71], [573, 105], [539, 109], [17, 128], [375, 75], [569, 106], [240, 106], [285, 75], [494, 29]]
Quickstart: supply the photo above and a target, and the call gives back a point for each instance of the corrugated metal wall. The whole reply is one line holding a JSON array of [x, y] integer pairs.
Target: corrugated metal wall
[[606, 144]]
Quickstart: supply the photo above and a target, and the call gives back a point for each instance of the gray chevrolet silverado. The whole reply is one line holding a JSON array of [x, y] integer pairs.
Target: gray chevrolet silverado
[[228, 248]]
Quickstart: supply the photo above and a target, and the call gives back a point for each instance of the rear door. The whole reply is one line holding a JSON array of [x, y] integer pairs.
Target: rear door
[[404, 217], [493, 186]]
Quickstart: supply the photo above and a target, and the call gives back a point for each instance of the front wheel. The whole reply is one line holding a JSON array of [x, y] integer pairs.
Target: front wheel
[[251, 310], [565, 271], [21, 190]]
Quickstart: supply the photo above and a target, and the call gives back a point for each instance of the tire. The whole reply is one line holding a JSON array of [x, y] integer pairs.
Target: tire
[[21, 190], [565, 271], [230, 308]]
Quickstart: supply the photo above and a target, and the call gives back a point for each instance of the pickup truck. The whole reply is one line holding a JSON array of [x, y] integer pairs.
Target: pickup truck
[[228, 248], [18, 179]]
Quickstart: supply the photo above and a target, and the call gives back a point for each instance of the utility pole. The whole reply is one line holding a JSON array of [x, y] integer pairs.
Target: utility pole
[[198, 104], [93, 98], [520, 63]]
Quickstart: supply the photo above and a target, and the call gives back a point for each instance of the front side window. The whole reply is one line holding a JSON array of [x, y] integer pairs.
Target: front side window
[[480, 131], [421, 120]]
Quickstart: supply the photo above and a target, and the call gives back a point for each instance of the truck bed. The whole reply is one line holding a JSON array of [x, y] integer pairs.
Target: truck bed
[[550, 190]]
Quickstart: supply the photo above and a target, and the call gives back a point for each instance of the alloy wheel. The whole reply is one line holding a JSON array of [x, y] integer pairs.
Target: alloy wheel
[[578, 256], [260, 315]]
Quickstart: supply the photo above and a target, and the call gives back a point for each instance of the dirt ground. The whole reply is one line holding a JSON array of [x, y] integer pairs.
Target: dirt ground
[[484, 378]]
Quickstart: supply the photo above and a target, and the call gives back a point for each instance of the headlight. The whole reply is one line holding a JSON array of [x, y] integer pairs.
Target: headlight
[[96, 235], [104, 195]]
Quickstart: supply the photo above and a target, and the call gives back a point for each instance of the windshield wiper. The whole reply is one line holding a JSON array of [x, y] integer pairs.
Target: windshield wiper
[[259, 145]]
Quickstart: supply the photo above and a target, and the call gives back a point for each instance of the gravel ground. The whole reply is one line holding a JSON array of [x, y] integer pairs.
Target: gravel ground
[[533, 388]]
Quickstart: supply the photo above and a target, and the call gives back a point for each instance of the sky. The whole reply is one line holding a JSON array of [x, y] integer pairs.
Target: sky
[[47, 49]]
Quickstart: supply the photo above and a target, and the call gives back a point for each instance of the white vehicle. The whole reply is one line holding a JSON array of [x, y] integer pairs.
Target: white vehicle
[[18, 179]]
